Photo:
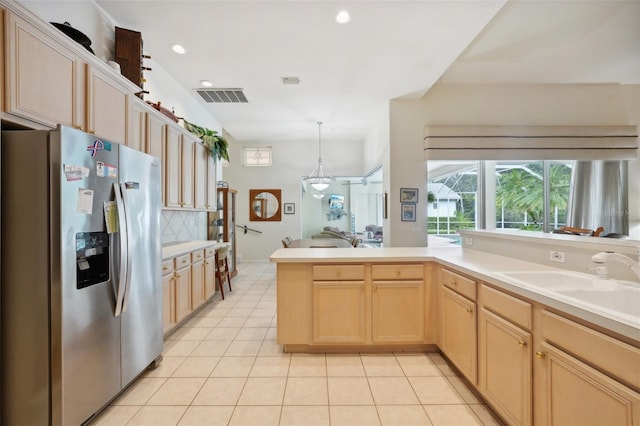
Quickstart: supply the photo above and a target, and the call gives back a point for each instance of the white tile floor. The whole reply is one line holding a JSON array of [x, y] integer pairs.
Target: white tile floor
[[224, 367]]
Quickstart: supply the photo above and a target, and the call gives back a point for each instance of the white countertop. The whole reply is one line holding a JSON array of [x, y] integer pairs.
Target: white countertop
[[476, 263], [179, 248]]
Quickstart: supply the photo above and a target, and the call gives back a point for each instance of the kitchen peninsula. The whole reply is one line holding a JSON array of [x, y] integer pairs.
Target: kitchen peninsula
[[534, 357]]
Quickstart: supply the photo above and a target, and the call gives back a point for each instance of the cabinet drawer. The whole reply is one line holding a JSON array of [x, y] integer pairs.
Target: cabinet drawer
[[338, 272], [509, 307], [167, 267], [182, 261], [460, 284], [600, 350], [397, 272], [197, 256], [209, 252]]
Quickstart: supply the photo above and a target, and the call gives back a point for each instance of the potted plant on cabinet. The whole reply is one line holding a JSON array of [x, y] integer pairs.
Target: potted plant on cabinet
[[215, 143]]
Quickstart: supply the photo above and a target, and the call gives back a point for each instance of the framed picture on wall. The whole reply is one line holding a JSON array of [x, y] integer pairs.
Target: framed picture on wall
[[408, 195], [289, 208], [408, 213]]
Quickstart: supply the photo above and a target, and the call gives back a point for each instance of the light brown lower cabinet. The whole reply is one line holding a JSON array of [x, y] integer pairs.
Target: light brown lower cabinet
[[531, 365], [577, 394], [458, 334], [338, 311], [197, 279], [168, 296], [188, 281], [183, 292], [504, 358], [398, 303], [209, 273]]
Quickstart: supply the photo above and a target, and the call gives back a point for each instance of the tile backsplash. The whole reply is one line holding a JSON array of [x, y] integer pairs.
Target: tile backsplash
[[179, 225]]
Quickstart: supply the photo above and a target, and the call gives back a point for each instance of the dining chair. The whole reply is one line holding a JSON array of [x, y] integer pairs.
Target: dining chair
[[222, 269]]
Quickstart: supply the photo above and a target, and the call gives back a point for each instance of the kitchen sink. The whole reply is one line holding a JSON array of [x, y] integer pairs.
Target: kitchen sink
[[623, 300], [552, 280], [620, 299]]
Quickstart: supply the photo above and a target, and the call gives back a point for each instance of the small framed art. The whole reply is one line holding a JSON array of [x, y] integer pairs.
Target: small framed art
[[289, 208], [408, 212], [408, 195]]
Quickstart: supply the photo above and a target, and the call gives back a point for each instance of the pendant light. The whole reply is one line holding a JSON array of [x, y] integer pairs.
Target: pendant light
[[319, 179]]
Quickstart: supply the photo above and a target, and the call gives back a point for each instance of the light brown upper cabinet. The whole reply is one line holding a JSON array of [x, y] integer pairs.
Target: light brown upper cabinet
[[43, 78], [48, 81], [106, 106], [201, 155]]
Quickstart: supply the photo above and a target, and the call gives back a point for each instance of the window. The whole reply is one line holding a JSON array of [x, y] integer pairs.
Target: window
[[522, 188], [453, 187], [257, 157], [528, 195]]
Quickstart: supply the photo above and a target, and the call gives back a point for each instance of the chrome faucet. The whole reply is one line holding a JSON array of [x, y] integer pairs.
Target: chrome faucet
[[604, 256]]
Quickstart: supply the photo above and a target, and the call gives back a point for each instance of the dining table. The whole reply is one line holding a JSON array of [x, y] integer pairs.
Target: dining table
[[319, 243]]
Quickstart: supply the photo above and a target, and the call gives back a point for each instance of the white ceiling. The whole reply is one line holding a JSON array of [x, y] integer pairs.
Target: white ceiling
[[390, 49]]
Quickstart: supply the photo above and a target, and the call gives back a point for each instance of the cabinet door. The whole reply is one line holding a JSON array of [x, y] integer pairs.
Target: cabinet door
[[173, 168], [211, 183], [200, 174], [137, 124], [197, 284], [398, 312], [183, 293], [187, 172], [155, 143], [41, 78], [338, 312], [504, 354], [580, 395], [459, 337], [106, 107], [155, 132], [209, 277], [168, 303]]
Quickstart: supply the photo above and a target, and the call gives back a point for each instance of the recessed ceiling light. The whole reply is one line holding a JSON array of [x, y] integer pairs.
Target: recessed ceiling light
[[206, 83], [290, 80], [343, 17], [179, 49]]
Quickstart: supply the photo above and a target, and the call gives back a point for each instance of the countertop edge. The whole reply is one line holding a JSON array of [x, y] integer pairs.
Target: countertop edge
[[180, 249]]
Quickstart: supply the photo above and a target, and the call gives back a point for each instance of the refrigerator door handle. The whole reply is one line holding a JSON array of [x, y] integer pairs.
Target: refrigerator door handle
[[125, 199], [122, 276]]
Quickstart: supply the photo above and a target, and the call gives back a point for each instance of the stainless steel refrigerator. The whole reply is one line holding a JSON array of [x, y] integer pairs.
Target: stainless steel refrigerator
[[81, 281]]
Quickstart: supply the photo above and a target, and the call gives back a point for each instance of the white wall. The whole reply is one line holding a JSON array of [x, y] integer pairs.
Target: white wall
[[291, 161], [406, 169]]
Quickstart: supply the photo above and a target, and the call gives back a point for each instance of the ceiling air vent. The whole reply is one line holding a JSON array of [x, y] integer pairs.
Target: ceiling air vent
[[222, 96]]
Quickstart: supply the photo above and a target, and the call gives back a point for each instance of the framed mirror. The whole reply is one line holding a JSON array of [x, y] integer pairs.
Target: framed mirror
[[265, 205]]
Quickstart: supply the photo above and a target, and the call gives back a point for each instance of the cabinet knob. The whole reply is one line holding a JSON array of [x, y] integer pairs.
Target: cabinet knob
[[398, 272], [469, 310], [541, 355], [454, 283], [522, 343]]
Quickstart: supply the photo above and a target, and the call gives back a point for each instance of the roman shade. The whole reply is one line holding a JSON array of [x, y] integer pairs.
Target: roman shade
[[531, 142]]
